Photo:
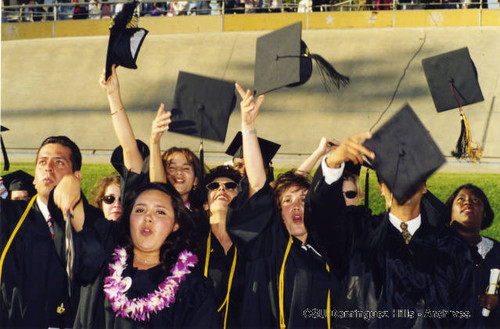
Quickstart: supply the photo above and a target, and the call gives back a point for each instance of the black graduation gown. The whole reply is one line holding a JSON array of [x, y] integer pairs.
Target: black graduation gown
[[34, 284], [425, 284], [194, 306], [481, 281], [219, 269], [257, 229]]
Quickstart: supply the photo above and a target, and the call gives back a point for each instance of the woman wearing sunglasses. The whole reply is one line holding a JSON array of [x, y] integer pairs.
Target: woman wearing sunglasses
[[106, 192], [220, 259]]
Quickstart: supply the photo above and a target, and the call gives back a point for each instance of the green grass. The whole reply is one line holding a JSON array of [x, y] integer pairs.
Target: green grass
[[441, 185]]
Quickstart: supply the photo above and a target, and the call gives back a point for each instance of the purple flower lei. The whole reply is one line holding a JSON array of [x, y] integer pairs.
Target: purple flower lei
[[140, 309]]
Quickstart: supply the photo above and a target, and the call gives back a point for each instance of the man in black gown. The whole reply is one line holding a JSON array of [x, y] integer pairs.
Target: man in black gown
[[398, 270], [34, 284]]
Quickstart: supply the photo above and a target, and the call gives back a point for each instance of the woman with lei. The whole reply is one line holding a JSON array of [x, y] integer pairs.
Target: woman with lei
[[149, 277]]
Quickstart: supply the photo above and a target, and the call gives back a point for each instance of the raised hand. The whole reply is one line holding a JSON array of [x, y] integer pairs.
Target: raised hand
[[350, 150], [112, 85], [249, 108], [160, 124]]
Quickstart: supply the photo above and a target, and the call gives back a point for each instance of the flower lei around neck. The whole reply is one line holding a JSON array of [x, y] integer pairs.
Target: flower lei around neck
[[140, 309]]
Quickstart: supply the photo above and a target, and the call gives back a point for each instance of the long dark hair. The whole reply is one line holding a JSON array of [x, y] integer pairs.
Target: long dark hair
[[177, 241], [488, 212]]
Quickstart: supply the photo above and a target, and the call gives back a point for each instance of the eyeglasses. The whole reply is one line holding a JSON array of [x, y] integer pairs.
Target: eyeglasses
[[109, 199], [351, 194], [215, 185]]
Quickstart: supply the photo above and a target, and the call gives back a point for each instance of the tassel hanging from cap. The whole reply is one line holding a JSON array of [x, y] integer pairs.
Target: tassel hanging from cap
[[465, 148], [329, 75]]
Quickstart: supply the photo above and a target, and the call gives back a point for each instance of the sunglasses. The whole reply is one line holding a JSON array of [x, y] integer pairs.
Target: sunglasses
[[108, 199], [350, 194], [215, 185]]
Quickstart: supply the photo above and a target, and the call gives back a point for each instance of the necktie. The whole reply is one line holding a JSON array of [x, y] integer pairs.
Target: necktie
[[405, 232], [51, 226]]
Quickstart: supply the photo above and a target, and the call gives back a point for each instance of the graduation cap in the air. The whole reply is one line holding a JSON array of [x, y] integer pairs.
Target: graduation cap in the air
[[283, 60], [405, 153], [202, 106], [267, 148], [125, 39], [453, 82], [6, 163], [18, 181]]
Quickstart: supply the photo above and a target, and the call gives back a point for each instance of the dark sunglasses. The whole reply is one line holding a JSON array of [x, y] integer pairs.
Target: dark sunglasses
[[108, 199], [350, 194], [215, 185]]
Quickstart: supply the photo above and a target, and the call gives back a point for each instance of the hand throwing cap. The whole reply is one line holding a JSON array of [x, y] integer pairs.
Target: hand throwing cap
[[405, 153], [283, 60], [125, 39], [453, 82], [202, 106], [267, 148]]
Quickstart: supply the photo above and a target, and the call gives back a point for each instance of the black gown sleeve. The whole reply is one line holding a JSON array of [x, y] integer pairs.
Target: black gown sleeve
[[253, 223]]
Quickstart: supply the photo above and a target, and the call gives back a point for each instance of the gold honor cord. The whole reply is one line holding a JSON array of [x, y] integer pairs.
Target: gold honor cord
[[231, 275], [282, 290], [13, 234], [281, 285], [328, 303]]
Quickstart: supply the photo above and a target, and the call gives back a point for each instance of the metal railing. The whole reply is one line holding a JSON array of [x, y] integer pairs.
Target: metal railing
[[50, 10]]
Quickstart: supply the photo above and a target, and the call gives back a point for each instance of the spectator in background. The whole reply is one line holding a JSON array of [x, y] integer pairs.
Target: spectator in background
[[107, 197], [470, 212], [18, 185]]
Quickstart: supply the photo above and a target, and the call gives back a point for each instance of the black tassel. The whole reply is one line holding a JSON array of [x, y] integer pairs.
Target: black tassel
[[462, 143], [329, 75]]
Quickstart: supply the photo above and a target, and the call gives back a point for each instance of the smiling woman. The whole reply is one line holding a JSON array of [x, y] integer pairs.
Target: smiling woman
[[151, 277]]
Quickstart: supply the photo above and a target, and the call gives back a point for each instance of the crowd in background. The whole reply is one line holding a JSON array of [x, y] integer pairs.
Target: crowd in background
[[105, 9]]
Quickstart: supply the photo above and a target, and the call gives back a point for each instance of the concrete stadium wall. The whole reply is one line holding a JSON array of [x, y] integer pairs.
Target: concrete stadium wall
[[50, 86]]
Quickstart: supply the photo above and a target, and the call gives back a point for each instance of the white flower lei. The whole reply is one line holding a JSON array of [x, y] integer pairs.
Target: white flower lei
[[140, 309]]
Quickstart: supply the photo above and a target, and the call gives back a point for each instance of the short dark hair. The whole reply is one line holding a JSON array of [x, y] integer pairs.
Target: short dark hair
[[177, 241], [488, 212], [286, 180], [222, 171], [75, 156]]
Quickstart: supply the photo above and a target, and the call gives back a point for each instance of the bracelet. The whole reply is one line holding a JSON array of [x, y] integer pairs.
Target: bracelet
[[79, 200], [249, 132]]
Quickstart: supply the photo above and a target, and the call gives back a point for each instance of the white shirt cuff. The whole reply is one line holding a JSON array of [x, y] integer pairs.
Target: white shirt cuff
[[331, 174]]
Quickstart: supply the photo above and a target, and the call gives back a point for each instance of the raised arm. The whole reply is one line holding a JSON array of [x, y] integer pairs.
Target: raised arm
[[325, 146], [160, 125], [254, 164], [131, 156]]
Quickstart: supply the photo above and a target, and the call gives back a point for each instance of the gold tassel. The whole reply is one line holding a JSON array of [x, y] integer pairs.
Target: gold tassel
[[466, 149]]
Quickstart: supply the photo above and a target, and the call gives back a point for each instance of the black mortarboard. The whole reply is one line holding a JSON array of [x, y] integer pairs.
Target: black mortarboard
[[453, 83], [405, 153], [267, 148], [352, 169], [117, 157], [125, 39], [202, 106], [18, 181], [6, 164], [282, 59]]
